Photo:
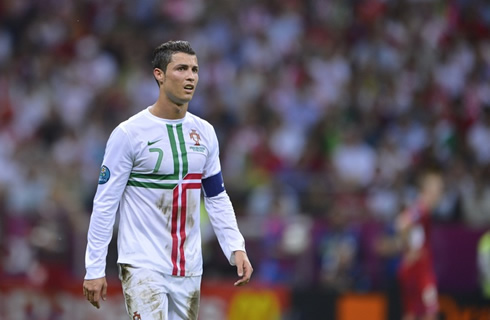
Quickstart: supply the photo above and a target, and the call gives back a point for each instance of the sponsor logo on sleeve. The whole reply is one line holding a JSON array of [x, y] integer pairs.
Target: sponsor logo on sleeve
[[104, 175]]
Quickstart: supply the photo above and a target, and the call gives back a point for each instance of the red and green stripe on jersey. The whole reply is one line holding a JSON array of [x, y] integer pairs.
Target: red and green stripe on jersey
[[180, 181]]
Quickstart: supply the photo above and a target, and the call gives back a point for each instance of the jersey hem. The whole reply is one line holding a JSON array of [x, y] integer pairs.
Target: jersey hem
[[196, 273]]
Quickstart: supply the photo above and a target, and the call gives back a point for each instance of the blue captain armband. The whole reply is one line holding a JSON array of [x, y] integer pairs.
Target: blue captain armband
[[213, 185]]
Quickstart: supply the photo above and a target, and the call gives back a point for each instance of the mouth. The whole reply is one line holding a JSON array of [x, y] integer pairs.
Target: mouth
[[189, 88]]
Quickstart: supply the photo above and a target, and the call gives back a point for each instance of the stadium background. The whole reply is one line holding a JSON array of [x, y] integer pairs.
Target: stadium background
[[325, 110]]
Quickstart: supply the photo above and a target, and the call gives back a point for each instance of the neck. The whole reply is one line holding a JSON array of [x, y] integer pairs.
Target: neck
[[427, 202], [166, 109]]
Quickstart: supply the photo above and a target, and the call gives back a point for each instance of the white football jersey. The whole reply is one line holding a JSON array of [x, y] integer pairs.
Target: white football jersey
[[152, 174]]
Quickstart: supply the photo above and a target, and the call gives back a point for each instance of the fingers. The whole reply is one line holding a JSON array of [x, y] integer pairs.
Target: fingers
[[90, 297], [246, 270], [239, 268], [93, 290], [104, 292], [96, 298], [244, 280], [241, 282]]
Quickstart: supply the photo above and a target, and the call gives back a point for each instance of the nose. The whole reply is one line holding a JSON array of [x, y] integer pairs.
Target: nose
[[191, 76]]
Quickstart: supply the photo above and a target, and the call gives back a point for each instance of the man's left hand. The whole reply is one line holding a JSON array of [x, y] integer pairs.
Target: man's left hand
[[244, 268]]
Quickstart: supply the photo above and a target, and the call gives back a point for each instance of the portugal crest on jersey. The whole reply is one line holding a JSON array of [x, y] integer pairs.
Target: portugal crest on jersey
[[194, 135]]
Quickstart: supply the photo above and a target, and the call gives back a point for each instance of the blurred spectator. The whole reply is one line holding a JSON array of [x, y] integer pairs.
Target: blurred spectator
[[484, 264], [285, 246], [339, 252], [478, 135], [354, 161], [476, 201]]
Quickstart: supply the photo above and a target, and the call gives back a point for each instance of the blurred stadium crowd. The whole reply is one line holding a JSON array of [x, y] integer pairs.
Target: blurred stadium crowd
[[325, 111]]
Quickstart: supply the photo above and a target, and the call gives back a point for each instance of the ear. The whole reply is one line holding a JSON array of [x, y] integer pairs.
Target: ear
[[159, 75]]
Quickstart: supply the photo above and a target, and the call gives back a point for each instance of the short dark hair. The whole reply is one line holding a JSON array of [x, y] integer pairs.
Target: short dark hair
[[162, 55]]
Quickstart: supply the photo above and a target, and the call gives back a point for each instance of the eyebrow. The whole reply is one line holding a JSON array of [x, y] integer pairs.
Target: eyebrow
[[186, 65]]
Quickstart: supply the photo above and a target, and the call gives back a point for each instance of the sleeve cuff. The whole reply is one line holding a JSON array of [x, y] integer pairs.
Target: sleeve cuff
[[95, 273]]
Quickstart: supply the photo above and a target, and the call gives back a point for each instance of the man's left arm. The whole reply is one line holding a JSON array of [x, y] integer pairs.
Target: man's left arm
[[221, 213], [223, 219]]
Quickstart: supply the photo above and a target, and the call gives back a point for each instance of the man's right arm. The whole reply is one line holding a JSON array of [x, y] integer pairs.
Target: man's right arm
[[115, 170]]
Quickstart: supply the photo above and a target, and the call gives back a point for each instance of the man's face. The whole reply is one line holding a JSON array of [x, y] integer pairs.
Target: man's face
[[180, 80]]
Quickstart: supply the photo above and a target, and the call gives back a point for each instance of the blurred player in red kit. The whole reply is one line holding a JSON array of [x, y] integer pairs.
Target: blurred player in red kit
[[416, 272]]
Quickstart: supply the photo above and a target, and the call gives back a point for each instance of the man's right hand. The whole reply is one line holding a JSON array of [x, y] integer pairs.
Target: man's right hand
[[95, 289]]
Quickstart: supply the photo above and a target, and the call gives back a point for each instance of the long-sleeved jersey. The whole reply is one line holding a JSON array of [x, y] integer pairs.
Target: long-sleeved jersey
[[152, 174]]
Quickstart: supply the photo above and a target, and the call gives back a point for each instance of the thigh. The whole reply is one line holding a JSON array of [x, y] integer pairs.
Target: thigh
[[144, 294], [409, 289], [184, 296]]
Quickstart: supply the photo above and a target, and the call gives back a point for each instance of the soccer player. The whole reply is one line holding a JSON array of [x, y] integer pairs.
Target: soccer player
[[416, 273], [154, 168]]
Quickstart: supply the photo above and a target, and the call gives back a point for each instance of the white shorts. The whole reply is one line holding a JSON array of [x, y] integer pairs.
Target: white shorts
[[151, 295]]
